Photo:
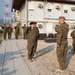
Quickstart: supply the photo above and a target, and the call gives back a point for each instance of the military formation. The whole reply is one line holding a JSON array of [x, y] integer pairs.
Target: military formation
[[7, 30], [32, 33]]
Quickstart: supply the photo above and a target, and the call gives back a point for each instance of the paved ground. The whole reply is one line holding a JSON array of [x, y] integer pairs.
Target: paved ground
[[46, 60], [13, 59]]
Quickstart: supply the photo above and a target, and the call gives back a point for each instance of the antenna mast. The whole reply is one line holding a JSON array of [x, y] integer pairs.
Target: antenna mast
[[7, 18]]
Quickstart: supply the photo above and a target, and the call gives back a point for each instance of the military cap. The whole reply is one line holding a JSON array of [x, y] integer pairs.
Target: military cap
[[32, 23], [62, 17]]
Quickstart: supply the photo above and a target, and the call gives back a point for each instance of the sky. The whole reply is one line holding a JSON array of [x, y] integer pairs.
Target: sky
[[2, 8]]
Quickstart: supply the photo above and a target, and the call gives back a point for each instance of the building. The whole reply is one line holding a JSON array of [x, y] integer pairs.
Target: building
[[45, 13]]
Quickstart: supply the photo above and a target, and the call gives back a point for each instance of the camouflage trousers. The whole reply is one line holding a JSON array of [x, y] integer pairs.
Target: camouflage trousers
[[61, 56], [24, 35], [16, 36], [5, 34], [31, 47], [9, 35]]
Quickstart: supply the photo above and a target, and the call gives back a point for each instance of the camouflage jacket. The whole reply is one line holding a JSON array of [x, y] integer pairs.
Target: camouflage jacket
[[4, 29], [73, 34], [62, 33], [17, 30], [33, 35], [24, 29], [10, 30]]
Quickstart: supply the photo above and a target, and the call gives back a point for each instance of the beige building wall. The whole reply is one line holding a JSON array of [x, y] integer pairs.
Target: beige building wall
[[22, 18], [47, 15]]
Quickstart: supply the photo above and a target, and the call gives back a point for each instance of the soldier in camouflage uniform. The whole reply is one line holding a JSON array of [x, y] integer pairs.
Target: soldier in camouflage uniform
[[24, 31], [73, 37], [36, 42], [10, 30], [4, 27], [17, 31], [33, 34], [62, 43]]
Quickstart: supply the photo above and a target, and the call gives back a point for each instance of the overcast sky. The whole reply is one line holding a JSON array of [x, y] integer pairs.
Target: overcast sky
[[2, 8]]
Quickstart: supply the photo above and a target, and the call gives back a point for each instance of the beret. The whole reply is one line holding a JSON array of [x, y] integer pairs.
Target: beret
[[32, 23]]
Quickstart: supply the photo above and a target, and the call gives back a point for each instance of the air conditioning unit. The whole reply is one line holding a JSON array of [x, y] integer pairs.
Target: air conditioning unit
[[73, 8], [72, 27], [40, 26], [40, 6], [57, 7]]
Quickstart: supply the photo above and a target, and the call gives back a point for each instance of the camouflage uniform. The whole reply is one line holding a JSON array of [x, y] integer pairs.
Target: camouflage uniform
[[61, 50], [32, 41], [17, 31], [10, 30], [4, 32], [24, 31], [73, 37]]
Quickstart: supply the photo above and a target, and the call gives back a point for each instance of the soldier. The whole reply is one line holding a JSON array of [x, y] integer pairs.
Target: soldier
[[10, 30], [33, 34], [36, 28], [73, 37], [17, 31], [62, 43], [24, 31], [4, 27]]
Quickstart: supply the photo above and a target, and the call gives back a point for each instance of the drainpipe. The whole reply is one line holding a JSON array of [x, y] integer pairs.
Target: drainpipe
[[27, 12]]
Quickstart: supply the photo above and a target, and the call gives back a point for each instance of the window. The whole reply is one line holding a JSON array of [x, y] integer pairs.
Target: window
[[65, 11], [31, 9], [49, 10]]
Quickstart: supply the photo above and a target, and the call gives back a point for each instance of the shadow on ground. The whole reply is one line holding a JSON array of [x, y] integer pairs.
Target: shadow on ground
[[4, 59], [69, 55], [45, 51]]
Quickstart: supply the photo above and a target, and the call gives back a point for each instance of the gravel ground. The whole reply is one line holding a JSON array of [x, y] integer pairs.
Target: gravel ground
[[46, 60]]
